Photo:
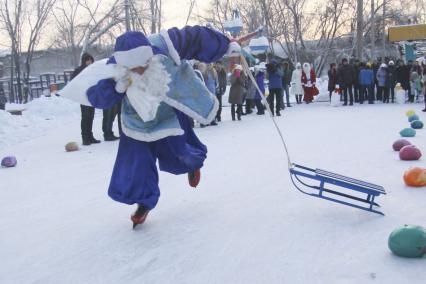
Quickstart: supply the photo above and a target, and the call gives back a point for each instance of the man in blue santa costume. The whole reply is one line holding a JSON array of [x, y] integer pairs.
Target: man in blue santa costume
[[159, 91]]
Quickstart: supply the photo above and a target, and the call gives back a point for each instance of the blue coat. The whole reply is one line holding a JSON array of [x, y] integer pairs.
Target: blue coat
[[366, 77], [260, 77], [135, 177], [211, 83], [275, 79], [381, 76], [186, 93]]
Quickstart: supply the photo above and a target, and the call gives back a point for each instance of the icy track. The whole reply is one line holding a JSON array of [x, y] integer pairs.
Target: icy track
[[245, 223]]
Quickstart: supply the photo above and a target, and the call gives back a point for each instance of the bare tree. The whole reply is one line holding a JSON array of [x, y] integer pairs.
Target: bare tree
[[12, 18], [37, 18], [81, 24], [191, 7], [98, 25], [70, 31]]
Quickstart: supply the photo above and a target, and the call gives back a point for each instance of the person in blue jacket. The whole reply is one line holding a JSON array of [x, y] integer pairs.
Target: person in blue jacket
[[366, 82], [158, 77], [275, 74]]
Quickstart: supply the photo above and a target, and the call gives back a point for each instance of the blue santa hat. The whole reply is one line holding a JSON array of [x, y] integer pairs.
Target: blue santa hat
[[133, 49]]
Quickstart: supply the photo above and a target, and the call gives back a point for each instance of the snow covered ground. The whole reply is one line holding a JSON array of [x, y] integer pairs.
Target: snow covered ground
[[245, 223]]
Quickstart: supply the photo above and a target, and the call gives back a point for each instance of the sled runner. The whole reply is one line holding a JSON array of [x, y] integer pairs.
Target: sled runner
[[344, 188]]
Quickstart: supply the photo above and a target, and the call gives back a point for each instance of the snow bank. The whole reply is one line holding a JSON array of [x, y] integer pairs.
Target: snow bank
[[38, 117]]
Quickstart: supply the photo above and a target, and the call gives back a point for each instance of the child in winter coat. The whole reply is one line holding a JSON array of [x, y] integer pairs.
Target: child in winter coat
[[236, 93], [416, 84]]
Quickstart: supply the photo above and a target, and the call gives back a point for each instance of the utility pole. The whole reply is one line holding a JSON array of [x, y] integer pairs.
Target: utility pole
[[359, 25], [126, 9], [373, 30]]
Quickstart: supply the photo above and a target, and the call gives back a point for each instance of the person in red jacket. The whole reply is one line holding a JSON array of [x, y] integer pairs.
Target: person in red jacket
[[308, 82]]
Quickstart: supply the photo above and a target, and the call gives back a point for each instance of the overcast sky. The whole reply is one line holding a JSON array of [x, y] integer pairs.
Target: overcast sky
[[176, 11]]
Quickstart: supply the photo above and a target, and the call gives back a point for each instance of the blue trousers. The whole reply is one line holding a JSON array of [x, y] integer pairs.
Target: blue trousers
[[135, 176]]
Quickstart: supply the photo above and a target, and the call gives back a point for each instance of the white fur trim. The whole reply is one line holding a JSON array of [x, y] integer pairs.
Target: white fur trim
[[192, 113], [172, 50], [150, 137], [147, 90], [135, 57]]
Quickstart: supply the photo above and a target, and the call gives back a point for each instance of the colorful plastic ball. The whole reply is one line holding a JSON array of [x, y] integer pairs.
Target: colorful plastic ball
[[407, 132], [415, 176], [413, 117], [410, 113], [409, 153], [9, 162], [417, 124], [408, 241], [71, 147], [398, 144]]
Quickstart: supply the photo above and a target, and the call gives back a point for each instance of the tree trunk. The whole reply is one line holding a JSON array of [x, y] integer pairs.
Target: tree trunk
[[373, 31], [153, 17], [12, 97], [384, 28], [359, 28], [126, 6], [18, 77]]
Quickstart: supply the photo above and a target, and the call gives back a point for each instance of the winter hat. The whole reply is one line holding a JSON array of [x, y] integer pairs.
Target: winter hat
[[298, 65], [238, 67], [383, 65], [391, 63], [306, 65], [133, 49]]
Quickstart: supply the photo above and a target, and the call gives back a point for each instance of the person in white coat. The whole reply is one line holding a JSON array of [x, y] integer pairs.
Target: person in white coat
[[296, 83]]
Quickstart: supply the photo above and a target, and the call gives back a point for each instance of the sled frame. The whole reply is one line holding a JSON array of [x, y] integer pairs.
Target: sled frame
[[371, 191]]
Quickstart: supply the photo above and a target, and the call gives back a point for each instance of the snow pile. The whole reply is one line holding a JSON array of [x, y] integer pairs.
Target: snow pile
[[322, 85], [39, 117]]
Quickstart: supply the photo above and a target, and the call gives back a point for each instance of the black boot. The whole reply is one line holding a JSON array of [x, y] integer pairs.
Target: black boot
[[93, 140], [86, 141], [111, 137]]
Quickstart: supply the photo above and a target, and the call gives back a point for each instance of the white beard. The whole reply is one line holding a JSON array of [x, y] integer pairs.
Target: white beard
[[148, 90], [307, 70]]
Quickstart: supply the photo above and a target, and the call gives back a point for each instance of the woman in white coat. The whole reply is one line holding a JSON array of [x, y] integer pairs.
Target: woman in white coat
[[296, 83]]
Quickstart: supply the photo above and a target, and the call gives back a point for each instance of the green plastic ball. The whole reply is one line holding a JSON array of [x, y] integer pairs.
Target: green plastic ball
[[407, 132], [408, 241]]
